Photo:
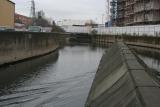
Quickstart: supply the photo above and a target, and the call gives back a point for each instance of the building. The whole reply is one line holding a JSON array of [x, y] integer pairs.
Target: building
[[7, 10], [21, 19], [40, 14], [70, 22], [146, 12], [129, 12], [138, 12], [76, 26], [113, 11], [120, 13]]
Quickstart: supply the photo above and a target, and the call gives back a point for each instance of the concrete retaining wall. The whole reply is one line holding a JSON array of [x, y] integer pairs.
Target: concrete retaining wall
[[121, 81], [15, 46], [143, 41]]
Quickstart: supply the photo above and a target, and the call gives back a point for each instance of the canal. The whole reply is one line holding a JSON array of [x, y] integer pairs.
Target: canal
[[151, 57], [60, 79]]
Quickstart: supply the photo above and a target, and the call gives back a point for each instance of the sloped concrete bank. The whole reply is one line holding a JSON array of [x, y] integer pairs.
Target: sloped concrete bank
[[121, 81], [17, 46]]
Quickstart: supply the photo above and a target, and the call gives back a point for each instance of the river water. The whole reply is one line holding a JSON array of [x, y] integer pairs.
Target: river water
[[60, 79], [151, 57]]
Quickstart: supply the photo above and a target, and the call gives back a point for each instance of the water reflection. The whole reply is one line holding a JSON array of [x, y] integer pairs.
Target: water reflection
[[150, 56], [60, 79], [13, 76]]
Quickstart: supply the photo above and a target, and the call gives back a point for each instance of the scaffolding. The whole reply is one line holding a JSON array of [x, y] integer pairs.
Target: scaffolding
[[147, 12], [138, 12], [120, 13], [113, 11]]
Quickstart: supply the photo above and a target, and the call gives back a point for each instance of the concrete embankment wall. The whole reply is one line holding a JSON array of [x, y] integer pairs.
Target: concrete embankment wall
[[121, 81], [143, 41], [16, 46]]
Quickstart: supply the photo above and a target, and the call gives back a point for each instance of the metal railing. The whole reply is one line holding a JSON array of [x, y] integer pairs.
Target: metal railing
[[148, 30]]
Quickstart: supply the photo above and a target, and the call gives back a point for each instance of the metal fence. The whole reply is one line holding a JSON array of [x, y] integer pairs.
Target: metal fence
[[148, 30], [77, 29]]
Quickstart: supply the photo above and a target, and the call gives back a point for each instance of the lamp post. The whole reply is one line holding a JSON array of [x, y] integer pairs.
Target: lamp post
[[102, 24]]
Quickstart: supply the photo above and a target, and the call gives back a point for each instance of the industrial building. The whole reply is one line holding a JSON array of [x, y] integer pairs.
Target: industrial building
[[23, 19], [7, 10], [137, 12]]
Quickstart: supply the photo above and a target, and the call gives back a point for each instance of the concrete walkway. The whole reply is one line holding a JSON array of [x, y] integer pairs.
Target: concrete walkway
[[121, 81]]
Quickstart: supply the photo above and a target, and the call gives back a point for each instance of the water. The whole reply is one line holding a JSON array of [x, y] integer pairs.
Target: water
[[60, 79], [151, 58]]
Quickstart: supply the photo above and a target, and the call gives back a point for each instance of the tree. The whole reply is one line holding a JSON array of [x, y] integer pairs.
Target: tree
[[94, 32], [56, 28], [90, 23], [18, 21], [42, 22]]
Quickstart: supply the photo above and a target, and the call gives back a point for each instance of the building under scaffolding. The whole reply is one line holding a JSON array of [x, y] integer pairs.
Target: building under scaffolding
[[113, 11], [138, 12], [120, 13]]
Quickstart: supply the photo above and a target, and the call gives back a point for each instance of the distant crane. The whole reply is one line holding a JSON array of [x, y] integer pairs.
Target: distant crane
[[107, 10], [33, 12]]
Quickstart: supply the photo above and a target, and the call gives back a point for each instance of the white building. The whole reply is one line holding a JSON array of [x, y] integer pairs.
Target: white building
[[70, 22], [75, 26]]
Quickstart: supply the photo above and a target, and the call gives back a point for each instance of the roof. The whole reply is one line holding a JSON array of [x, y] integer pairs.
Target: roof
[[11, 1], [16, 14]]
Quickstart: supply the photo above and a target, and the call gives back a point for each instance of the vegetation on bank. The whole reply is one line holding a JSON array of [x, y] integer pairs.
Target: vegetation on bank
[[42, 21], [45, 23], [56, 28]]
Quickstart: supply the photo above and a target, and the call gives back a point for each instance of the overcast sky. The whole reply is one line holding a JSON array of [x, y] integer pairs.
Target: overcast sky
[[65, 9]]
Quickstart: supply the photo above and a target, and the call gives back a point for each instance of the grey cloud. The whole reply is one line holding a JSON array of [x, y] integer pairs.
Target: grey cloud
[[65, 9]]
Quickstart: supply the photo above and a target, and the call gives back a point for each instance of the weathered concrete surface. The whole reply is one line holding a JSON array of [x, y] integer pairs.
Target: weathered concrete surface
[[143, 41], [15, 46], [121, 81], [156, 46]]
